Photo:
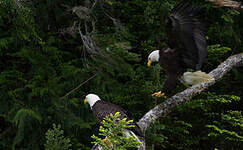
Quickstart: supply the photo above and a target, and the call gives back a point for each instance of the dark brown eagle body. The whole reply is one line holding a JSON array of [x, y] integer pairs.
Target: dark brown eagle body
[[187, 47], [101, 109], [173, 66]]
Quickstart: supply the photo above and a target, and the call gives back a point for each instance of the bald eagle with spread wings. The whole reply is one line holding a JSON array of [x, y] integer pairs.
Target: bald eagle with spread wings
[[187, 47]]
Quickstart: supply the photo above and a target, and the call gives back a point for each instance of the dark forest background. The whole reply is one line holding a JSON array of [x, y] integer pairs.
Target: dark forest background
[[49, 47]]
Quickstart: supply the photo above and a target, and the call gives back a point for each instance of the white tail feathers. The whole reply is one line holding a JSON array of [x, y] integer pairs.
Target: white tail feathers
[[192, 78], [128, 133]]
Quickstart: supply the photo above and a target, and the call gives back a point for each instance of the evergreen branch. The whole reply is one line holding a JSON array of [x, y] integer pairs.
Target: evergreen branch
[[78, 86]]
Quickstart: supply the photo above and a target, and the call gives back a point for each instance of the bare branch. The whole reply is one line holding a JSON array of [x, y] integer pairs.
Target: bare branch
[[94, 4], [89, 44], [227, 3], [72, 30], [116, 22], [78, 86]]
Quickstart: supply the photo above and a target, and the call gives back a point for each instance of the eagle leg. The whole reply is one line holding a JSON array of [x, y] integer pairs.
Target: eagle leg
[[107, 142], [159, 94]]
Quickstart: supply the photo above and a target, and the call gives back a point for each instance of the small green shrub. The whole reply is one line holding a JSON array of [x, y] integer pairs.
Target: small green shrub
[[112, 130], [55, 139]]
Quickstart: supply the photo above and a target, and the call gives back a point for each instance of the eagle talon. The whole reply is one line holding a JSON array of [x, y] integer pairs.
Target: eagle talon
[[107, 142], [159, 94]]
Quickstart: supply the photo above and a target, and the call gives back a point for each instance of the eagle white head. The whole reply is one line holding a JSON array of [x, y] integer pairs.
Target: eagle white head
[[91, 99], [153, 57]]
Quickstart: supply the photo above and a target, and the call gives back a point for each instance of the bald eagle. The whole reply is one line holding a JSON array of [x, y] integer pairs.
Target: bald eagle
[[187, 46], [101, 109]]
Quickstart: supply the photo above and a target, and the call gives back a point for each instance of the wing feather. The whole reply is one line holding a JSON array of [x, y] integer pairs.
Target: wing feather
[[186, 31]]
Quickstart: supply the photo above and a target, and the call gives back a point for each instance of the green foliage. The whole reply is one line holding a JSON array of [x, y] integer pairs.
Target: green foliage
[[22, 119], [223, 128], [113, 128], [24, 114], [55, 139], [212, 122], [229, 14], [216, 54]]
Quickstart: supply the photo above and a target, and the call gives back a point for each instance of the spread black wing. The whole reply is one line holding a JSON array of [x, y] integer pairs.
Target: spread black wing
[[186, 31], [101, 109]]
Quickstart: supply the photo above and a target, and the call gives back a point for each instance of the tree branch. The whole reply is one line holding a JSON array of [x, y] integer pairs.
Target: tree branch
[[227, 3], [170, 104], [78, 87]]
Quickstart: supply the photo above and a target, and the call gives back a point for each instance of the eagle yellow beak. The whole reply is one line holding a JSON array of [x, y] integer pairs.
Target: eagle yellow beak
[[149, 63], [85, 101]]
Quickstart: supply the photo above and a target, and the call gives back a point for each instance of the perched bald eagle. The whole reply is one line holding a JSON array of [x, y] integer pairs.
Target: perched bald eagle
[[101, 109], [187, 46]]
